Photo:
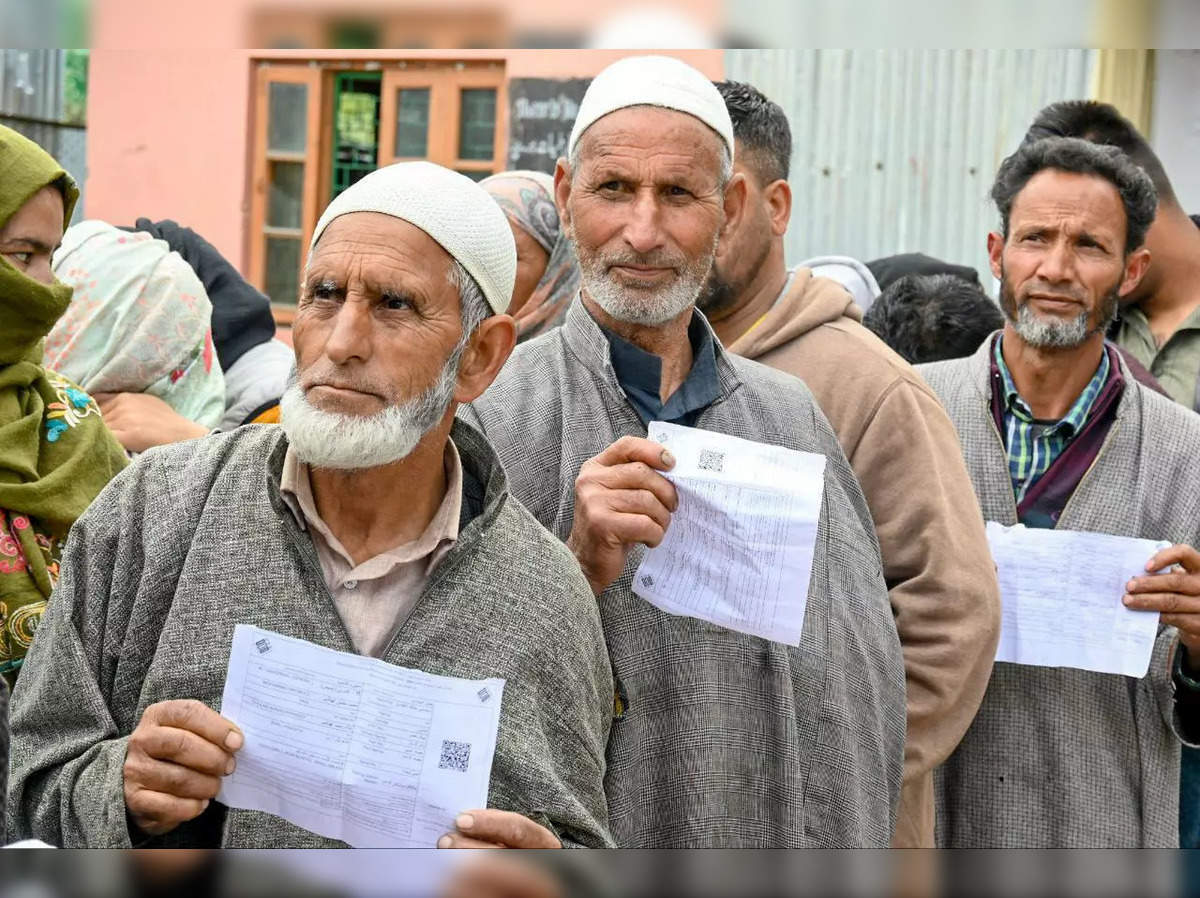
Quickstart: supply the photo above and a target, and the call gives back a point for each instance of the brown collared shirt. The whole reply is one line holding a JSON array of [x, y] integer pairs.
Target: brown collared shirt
[[373, 598]]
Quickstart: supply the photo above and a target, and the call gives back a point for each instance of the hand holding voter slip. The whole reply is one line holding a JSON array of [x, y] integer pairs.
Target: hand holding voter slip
[[1061, 592], [739, 551], [354, 748]]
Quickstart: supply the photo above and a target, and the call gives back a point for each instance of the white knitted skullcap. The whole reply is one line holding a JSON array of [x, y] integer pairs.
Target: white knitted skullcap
[[451, 208], [653, 81]]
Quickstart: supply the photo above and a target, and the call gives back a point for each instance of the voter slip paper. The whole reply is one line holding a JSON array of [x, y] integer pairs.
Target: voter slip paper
[[739, 550], [1061, 593], [354, 748]]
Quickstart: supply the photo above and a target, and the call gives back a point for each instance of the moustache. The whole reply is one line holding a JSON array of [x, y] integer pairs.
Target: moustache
[[658, 259], [327, 375], [1067, 293]]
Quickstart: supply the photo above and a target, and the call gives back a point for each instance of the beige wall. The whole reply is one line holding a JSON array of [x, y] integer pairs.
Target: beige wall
[[169, 129]]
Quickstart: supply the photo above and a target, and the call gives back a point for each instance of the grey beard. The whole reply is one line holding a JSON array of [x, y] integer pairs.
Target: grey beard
[[647, 307], [1054, 333], [1050, 333], [340, 442]]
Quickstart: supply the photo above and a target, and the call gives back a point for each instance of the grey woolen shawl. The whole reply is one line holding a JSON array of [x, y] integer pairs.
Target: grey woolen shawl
[[726, 739], [1058, 757], [193, 539]]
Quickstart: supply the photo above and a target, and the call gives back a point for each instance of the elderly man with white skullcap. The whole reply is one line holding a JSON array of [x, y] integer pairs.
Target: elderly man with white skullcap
[[720, 738], [371, 522]]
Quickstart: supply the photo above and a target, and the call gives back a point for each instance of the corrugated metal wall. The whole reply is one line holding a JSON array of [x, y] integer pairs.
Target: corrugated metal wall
[[31, 101], [895, 150]]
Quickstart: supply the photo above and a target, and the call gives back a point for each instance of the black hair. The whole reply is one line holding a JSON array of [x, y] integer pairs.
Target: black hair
[[1073, 154], [1102, 123], [931, 317], [761, 128]]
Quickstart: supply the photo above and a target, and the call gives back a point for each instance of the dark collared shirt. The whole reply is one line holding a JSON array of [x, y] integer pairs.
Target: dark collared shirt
[[640, 374]]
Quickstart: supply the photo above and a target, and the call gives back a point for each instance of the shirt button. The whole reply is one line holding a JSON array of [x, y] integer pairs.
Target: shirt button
[[350, 584]]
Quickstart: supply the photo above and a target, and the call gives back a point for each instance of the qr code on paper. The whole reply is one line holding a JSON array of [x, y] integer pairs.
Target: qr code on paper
[[455, 756], [711, 460]]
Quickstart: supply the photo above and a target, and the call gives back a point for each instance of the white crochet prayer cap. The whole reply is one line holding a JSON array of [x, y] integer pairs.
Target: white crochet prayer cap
[[451, 208], [653, 81]]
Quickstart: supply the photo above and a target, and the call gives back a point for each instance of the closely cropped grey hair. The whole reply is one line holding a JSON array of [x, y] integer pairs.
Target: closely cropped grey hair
[[472, 303], [726, 160]]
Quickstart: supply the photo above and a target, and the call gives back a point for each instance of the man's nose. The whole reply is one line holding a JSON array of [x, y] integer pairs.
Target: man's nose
[[350, 337], [642, 231], [1057, 264]]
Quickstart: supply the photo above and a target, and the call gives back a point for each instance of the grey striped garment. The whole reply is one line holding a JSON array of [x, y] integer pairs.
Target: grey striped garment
[[195, 538], [1059, 757], [727, 739]]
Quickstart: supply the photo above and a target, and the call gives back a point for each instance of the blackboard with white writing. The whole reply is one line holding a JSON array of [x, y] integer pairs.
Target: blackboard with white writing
[[541, 113]]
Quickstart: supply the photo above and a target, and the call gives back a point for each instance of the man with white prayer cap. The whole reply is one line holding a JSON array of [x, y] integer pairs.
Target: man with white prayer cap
[[371, 522], [719, 738]]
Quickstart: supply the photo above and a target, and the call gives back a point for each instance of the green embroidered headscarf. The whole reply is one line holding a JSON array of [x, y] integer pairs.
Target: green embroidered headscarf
[[55, 452]]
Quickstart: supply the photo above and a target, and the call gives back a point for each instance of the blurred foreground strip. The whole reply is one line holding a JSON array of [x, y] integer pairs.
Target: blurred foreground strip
[[630, 874]]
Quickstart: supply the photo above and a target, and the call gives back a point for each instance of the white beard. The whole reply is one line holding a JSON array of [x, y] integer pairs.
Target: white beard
[[340, 442], [637, 306]]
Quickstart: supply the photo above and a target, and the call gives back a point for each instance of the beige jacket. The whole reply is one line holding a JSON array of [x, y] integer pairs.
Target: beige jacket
[[938, 568]]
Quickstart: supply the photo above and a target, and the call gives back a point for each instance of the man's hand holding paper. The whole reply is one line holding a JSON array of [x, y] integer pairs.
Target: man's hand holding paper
[[621, 500], [174, 763], [741, 545], [1060, 591], [491, 828], [352, 748], [1174, 593]]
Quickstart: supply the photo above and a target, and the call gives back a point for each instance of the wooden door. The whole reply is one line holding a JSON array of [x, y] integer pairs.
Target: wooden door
[[284, 200]]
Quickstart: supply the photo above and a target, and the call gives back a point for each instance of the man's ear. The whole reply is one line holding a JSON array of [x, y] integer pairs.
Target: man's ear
[[736, 197], [778, 196], [1136, 267], [562, 192], [490, 347], [995, 246]]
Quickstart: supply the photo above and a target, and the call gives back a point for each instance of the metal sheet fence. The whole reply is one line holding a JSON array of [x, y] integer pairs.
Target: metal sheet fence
[[895, 150], [33, 102]]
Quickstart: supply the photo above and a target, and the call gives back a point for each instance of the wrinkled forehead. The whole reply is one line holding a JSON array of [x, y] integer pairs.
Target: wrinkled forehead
[[1073, 200], [644, 131]]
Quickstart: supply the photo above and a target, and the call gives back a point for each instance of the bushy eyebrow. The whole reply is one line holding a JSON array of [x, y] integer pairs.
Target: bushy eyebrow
[[1030, 229], [328, 283], [383, 292], [1094, 238], [689, 180]]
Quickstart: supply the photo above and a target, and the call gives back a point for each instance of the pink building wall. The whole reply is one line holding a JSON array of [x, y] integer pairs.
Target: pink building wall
[[169, 130], [167, 138]]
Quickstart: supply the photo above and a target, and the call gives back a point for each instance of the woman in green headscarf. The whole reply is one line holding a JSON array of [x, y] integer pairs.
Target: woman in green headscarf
[[55, 452]]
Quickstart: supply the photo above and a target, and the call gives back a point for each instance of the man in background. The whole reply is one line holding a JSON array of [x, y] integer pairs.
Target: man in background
[[1160, 322], [1160, 319], [933, 317], [1057, 434]]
